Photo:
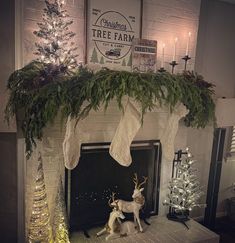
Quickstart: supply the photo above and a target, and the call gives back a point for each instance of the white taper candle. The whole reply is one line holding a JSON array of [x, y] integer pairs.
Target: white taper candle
[[188, 42], [174, 53], [163, 55]]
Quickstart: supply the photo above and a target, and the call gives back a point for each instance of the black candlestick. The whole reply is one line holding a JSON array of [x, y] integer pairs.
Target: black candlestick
[[162, 70], [173, 64], [186, 58]]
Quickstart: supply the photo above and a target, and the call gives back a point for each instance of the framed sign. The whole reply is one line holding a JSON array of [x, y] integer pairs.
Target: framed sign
[[144, 55], [111, 27]]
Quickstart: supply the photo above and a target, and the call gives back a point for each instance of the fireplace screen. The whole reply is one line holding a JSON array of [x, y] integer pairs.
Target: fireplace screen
[[90, 185]]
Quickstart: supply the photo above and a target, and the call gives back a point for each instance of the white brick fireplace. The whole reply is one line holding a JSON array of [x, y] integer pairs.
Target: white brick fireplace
[[163, 20], [99, 127]]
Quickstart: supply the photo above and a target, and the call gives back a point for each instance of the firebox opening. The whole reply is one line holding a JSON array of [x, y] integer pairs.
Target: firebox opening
[[90, 185]]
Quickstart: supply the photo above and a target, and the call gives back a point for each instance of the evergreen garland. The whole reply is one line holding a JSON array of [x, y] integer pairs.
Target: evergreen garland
[[41, 90]]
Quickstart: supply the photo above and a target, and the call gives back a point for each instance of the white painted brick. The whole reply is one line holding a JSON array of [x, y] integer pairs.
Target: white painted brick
[[163, 21]]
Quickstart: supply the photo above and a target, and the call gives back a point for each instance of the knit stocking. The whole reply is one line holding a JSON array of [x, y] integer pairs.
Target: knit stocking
[[72, 143], [167, 138], [128, 126]]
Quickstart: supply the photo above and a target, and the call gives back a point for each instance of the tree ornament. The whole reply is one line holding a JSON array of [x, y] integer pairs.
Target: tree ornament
[[39, 226], [56, 45], [60, 223], [185, 189]]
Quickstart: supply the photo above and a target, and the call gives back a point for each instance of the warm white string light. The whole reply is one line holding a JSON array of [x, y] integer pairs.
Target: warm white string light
[[56, 44]]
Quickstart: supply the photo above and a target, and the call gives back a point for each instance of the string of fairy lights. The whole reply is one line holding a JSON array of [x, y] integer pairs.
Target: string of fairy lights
[[40, 229], [39, 226]]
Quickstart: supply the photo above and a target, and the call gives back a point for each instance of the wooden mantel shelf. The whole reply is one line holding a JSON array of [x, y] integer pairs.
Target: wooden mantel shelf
[[161, 230]]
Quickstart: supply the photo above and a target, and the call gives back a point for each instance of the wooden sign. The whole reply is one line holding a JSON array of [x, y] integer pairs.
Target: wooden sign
[[144, 53], [111, 27]]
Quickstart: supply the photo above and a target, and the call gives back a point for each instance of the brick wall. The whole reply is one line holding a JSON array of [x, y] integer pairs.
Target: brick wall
[[163, 21]]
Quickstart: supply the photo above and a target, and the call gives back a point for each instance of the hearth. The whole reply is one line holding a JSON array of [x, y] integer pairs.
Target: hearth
[[90, 185]]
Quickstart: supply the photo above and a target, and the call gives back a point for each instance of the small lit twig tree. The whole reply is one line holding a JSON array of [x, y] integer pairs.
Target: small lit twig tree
[[185, 189]]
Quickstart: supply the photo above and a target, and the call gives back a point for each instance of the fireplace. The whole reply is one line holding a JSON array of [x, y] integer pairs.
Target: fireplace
[[90, 185]]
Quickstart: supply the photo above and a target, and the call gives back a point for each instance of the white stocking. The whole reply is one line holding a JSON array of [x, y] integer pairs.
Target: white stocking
[[128, 126], [168, 135], [72, 143]]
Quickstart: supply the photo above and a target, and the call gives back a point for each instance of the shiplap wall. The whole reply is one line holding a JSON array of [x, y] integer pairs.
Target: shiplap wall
[[163, 20]]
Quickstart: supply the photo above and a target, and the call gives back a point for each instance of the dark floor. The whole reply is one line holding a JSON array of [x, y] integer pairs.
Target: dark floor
[[225, 227]]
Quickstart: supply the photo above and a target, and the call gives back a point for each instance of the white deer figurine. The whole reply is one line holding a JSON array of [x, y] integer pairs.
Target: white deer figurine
[[137, 203], [113, 225]]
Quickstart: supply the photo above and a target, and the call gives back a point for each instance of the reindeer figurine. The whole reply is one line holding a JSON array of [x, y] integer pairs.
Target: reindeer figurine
[[113, 225], [137, 203]]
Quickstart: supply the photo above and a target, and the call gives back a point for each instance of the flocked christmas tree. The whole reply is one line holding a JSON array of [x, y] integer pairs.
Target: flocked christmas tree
[[60, 224], [39, 226], [56, 45], [185, 189]]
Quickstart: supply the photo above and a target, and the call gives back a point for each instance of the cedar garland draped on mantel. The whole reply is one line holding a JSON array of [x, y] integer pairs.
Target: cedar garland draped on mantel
[[42, 90]]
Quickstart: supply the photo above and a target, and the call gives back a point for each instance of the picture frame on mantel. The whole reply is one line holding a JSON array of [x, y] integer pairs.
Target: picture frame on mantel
[[110, 27]]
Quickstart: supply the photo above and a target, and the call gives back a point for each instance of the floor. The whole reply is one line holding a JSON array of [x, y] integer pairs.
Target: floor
[[161, 230], [225, 227]]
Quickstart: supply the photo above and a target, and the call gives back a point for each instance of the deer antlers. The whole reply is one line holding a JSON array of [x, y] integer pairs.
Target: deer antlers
[[136, 182], [113, 201]]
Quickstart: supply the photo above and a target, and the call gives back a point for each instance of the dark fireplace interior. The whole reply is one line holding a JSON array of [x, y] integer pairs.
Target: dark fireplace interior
[[90, 185]]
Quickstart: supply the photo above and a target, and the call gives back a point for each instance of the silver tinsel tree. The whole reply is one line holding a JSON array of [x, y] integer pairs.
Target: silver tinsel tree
[[185, 189], [60, 223], [56, 45], [39, 226]]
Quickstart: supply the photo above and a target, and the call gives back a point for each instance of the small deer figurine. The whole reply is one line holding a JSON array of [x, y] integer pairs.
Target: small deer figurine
[[137, 203], [113, 225]]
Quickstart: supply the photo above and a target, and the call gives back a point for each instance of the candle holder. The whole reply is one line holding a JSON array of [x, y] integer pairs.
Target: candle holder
[[186, 58], [162, 70], [173, 64]]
